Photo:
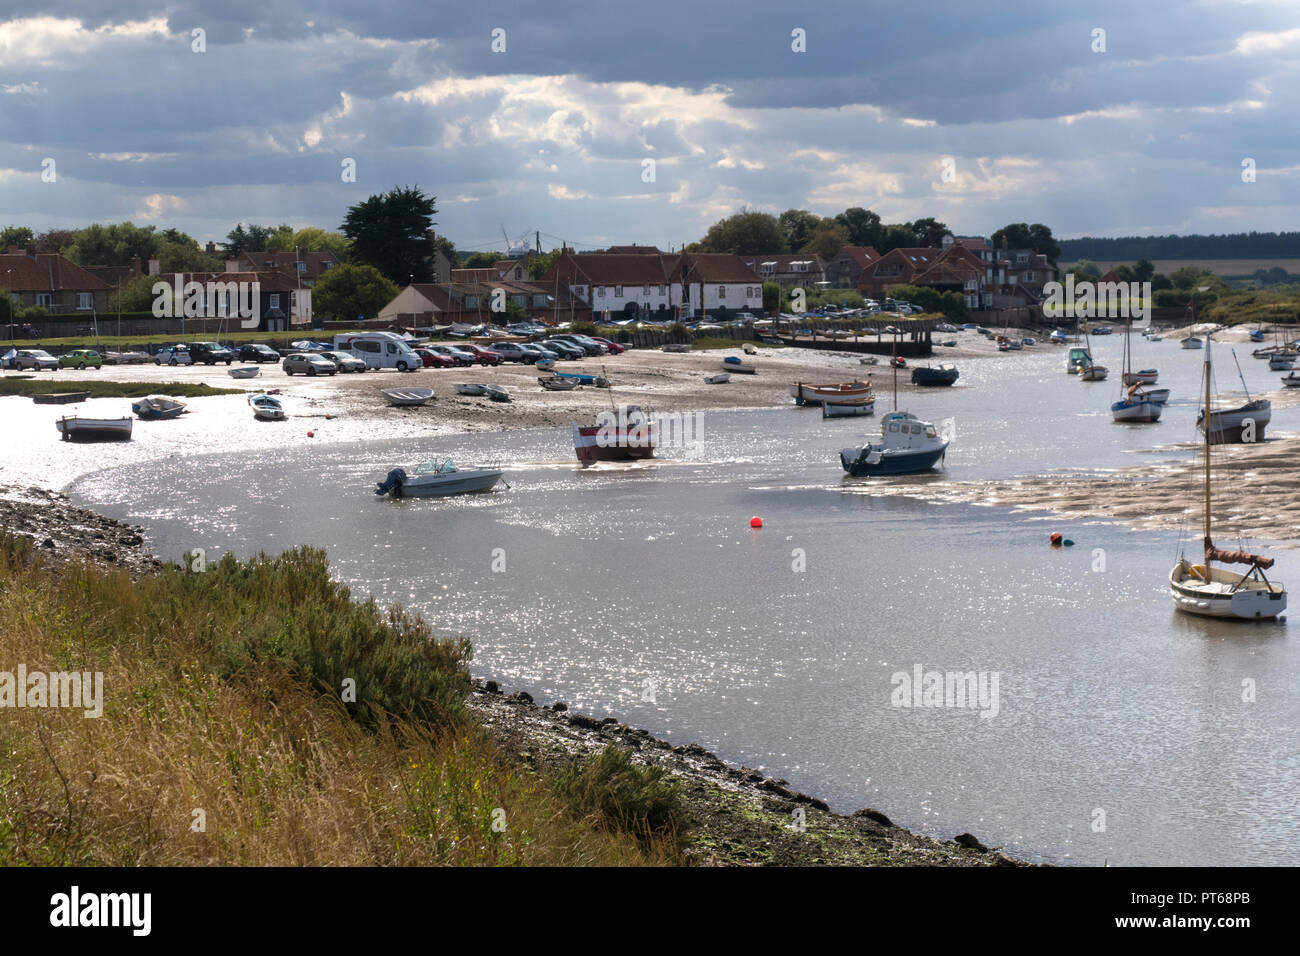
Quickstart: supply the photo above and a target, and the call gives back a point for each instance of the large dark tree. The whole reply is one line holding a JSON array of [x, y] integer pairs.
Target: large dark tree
[[896, 235], [747, 233], [1021, 235], [393, 233], [929, 232], [863, 225], [798, 226]]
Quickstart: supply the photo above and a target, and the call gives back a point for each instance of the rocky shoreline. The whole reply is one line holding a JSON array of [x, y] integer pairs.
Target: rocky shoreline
[[739, 816]]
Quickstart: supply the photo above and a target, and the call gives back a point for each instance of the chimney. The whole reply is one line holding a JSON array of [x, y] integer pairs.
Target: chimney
[[135, 266], [154, 266], [17, 251], [232, 265], [210, 248]]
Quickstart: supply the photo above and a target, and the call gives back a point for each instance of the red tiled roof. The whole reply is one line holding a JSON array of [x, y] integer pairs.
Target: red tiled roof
[[605, 268], [633, 250], [862, 255], [474, 275], [711, 267], [268, 280], [286, 262], [50, 272]]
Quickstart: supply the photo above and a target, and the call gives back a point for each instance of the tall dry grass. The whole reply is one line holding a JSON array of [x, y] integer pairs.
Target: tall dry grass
[[224, 739]]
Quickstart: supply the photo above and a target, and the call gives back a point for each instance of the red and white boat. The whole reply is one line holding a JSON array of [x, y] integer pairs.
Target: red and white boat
[[622, 434], [814, 394]]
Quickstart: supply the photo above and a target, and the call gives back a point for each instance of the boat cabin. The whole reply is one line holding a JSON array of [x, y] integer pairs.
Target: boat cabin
[[1079, 358], [904, 430]]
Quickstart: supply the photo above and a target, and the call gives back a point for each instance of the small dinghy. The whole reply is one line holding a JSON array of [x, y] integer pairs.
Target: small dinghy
[[1094, 373], [158, 408], [471, 388], [720, 379], [545, 364], [497, 393], [944, 374], [599, 381], [266, 408], [1146, 376], [76, 428], [557, 384], [806, 394], [408, 397], [1291, 381], [1157, 395], [869, 360], [245, 371], [848, 409], [676, 348], [435, 479], [733, 363], [750, 349], [1281, 362]]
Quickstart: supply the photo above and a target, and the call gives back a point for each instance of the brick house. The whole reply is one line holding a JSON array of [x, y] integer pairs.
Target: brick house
[[896, 267], [426, 304], [845, 269], [52, 281], [788, 271]]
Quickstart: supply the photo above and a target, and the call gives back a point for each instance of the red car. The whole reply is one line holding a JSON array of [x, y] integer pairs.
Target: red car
[[433, 359], [481, 355], [614, 347]]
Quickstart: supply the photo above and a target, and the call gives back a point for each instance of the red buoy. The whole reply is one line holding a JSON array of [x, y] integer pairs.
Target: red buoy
[[756, 522], [311, 434], [1056, 539]]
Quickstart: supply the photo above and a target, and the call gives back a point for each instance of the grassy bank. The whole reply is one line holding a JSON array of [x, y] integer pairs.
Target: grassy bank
[[231, 733], [40, 385]]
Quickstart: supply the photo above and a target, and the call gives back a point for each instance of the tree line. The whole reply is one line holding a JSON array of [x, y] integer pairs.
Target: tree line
[[1236, 245]]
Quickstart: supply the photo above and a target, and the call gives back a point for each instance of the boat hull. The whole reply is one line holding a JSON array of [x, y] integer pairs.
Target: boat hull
[[615, 444], [1094, 373], [1192, 343], [408, 397], [1253, 600], [890, 462], [1141, 412], [1235, 426], [94, 429], [456, 483], [934, 376], [1144, 377], [848, 409], [815, 394]]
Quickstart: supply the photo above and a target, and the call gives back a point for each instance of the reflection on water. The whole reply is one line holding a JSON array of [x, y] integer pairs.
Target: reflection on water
[[777, 647]]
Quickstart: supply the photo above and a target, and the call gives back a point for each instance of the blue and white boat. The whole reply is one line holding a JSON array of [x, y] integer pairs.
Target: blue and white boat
[[908, 445], [1058, 337], [585, 378]]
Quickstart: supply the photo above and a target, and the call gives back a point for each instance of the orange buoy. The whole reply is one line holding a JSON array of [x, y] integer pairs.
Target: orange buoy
[[311, 434], [756, 522], [1056, 539]]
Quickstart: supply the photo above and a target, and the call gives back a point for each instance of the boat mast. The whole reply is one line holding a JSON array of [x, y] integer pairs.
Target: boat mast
[[1208, 427]]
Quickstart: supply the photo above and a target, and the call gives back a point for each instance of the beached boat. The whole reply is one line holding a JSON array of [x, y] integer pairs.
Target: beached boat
[[944, 374], [719, 379], [585, 378], [60, 398], [1094, 373], [407, 397], [1257, 335], [1207, 591], [1029, 340], [1281, 362], [806, 394], [1102, 330], [869, 360], [1135, 408], [1243, 424], [1146, 376], [848, 408], [497, 393], [622, 434], [545, 364], [435, 479], [266, 408], [78, 428], [471, 388], [245, 371], [733, 363], [750, 349], [1058, 337], [557, 384], [1191, 342], [676, 348], [1291, 381], [157, 408]]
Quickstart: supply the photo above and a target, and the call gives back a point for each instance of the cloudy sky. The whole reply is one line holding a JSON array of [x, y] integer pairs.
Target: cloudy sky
[[553, 132]]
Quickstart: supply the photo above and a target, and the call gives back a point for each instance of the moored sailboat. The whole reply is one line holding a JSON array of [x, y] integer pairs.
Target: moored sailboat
[[1209, 591], [1133, 406]]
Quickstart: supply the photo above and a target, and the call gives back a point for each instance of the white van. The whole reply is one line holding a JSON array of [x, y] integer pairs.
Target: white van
[[380, 350]]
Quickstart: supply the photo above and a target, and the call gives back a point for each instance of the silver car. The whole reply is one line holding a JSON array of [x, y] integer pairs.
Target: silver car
[[308, 364], [35, 359]]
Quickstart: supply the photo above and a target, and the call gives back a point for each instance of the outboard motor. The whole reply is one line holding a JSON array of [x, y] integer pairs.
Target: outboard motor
[[392, 484]]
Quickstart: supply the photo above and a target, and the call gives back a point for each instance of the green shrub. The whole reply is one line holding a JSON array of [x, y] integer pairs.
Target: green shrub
[[622, 795]]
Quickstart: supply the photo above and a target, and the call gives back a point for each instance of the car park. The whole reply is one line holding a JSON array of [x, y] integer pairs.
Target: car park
[[81, 358], [210, 353], [566, 349], [35, 359], [343, 361], [510, 352], [173, 355], [614, 347], [258, 353], [308, 363]]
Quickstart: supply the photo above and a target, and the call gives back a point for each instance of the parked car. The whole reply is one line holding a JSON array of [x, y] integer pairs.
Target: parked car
[[210, 353], [35, 359], [173, 355], [483, 356], [535, 353], [258, 354], [431, 359], [344, 362], [566, 349], [457, 353], [81, 358], [614, 347], [308, 363], [588, 346], [511, 352]]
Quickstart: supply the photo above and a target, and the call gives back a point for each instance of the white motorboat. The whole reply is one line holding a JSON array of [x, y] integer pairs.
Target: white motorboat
[[471, 388], [437, 479], [719, 379], [245, 371], [266, 408], [78, 428], [814, 394], [908, 445], [1208, 591], [407, 397]]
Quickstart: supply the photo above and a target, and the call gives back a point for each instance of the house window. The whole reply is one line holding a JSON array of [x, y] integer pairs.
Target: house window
[[618, 292], [1022, 257], [275, 300], [1028, 276], [519, 273], [44, 298], [293, 300], [722, 292], [85, 300], [663, 290], [600, 291], [645, 290], [302, 266], [329, 265]]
